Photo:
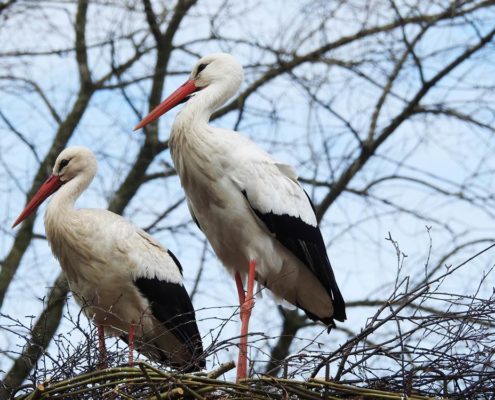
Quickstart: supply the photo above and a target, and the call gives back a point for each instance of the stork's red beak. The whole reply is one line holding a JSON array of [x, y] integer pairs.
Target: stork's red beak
[[51, 185], [170, 102]]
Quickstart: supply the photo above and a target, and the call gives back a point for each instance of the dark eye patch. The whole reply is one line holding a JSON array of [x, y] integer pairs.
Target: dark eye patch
[[63, 163], [201, 67]]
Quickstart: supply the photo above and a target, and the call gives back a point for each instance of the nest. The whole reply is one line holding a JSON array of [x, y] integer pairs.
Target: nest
[[147, 382]]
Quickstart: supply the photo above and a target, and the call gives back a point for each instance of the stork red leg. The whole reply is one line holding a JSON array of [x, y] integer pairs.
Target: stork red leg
[[246, 307], [240, 288], [131, 344], [101, 347]]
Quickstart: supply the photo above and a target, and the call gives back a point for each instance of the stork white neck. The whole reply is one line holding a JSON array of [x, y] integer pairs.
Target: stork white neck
[[198, 109], [61, 221], [63, 200]]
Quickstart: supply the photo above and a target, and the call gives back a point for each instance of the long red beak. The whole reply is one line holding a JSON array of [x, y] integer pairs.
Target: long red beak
[[51, 185], [170, 102]]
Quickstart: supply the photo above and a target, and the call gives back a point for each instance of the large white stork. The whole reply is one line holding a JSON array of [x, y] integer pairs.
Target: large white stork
[[252, 209], [125, 281]]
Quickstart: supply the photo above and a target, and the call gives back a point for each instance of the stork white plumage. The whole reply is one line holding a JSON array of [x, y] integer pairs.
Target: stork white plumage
[[257, 217], [125, 281]]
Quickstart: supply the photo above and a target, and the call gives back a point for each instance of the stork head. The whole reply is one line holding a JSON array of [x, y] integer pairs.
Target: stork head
[[217, 68], [220, 72], [72, 162]]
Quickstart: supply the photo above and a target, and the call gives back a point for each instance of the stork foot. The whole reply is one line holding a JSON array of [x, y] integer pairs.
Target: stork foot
[[247, 304]]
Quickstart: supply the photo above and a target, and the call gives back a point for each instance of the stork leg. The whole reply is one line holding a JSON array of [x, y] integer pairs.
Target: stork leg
[[247, 304], [240, 288], [131, 344], [101, 347]]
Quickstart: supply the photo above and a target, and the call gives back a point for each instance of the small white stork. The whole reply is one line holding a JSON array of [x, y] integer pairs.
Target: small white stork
[[125, 281], [252, 209]]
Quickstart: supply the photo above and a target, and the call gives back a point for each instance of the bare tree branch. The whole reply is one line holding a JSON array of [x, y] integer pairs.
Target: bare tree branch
[[369, 147], [42, 333], [64, 132], [152, 146]]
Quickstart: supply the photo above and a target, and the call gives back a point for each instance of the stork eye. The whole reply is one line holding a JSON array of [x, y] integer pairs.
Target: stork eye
[[201, 68], [63, 163]]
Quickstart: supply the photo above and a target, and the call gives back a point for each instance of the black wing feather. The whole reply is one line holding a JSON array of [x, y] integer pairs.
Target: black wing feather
[[193, 216], [176, 261], [306, 243], [171, 305]]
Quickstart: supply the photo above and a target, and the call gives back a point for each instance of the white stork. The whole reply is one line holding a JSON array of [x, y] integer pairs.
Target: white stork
[[252, 209], [125, 281]]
